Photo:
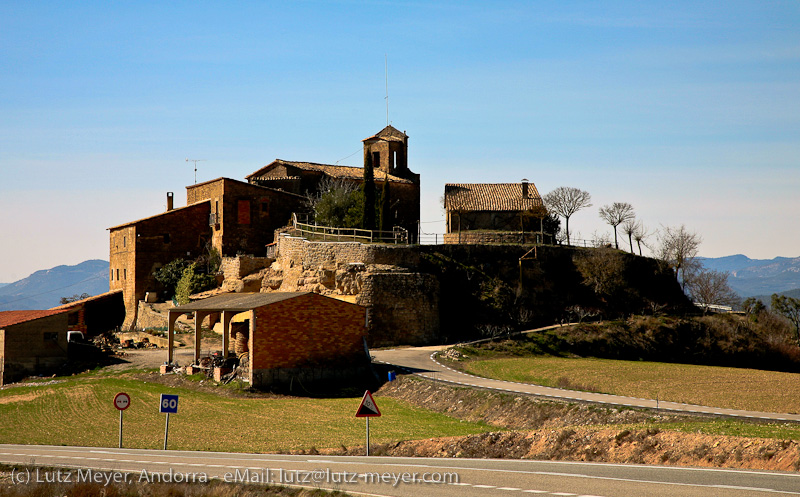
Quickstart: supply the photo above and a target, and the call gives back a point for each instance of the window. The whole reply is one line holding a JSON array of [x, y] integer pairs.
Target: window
[[166, 238], [111, 277], [50, 336], [124, 241], [243, 209], [125, 274], [117, 274]]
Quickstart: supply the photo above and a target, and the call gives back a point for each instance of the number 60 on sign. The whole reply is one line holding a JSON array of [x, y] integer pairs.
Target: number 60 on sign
[[169, 403]]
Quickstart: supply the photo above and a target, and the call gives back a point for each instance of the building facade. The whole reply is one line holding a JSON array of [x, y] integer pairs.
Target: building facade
[[493, 212], [31, 342], [235, 217]]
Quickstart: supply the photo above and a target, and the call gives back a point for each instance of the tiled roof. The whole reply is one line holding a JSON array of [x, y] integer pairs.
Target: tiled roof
[[345, 172], [10, 318], [389, 133], [490, 197], [87, 299], [165, 213]]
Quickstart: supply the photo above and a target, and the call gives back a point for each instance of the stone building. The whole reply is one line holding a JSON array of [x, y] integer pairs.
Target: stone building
[[31, 342], [225, 214], [290, 336], [236, 217], [95, 315], [493, 212], [388, 151]]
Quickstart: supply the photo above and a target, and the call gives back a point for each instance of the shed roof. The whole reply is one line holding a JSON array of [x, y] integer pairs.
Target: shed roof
[[334, 171], [93, 298], [490, 197], [10, 318], [237, 301]]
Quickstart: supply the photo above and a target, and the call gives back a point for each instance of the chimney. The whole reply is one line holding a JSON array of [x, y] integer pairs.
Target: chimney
[[524, 188], [169, 201]]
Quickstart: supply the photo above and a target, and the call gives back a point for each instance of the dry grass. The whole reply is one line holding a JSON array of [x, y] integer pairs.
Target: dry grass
[[704, 385]]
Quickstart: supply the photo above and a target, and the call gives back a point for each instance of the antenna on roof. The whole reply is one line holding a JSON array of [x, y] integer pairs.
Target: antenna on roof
[[386, 63], [195, 167]]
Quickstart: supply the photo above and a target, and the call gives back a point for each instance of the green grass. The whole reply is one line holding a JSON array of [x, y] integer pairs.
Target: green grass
[[736, 428], [79, 411], [703, 385]]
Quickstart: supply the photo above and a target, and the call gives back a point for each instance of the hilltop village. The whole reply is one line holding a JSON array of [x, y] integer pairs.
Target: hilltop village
[[290, 297]]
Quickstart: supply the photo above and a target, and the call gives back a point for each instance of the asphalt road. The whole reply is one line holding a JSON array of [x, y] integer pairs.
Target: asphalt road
[[419, 361], [384, 476]]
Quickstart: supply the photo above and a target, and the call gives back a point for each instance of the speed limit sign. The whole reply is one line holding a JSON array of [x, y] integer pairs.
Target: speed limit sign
[[122, 401], [169, 403]]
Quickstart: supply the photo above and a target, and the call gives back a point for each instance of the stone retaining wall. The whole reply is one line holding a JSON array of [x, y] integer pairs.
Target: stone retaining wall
[[240, 266], [483, 237], [300, 251]]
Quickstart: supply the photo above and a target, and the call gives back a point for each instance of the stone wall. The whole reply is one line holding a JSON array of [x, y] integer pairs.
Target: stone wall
[[491, 237], [241, 266], [402, 302], [298, 251], [403, 307]]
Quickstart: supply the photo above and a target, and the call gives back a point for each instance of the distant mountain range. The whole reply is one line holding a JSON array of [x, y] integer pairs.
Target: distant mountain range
[[758, 277], [44, 289]]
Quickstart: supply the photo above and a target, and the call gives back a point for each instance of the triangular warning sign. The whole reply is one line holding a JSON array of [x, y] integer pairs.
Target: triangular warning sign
[[368, 407]]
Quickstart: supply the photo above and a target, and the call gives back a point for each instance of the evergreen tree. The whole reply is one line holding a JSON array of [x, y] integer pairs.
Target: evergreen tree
[[386, 215], [368, 217]]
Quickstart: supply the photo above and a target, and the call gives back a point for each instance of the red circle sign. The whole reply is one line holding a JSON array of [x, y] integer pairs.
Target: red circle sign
[[122, 401]]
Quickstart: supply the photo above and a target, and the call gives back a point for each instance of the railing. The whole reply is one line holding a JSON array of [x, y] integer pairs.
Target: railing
[[314, 232]]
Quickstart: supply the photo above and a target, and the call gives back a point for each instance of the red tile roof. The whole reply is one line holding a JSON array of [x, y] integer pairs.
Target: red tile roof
[[10, 318], [346, 172], [490, 197]]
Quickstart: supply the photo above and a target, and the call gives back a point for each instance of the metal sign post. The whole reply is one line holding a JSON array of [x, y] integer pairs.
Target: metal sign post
[[368, 409], [121, 401], [169, 404], [166, 432]]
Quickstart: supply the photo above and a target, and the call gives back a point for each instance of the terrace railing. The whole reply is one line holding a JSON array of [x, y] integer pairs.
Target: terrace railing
[[315, 232]]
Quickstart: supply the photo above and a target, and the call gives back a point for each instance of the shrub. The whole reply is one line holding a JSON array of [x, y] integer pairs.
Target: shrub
[[193, 282], [169, 275]]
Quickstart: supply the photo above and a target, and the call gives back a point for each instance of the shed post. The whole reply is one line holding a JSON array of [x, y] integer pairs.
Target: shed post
[[172, 317]]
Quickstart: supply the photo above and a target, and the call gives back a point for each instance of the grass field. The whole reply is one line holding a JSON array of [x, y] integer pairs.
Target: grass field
[[79, 411], [704, 385]]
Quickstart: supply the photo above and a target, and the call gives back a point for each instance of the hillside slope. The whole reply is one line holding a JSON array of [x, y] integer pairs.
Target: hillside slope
[[43, 289]]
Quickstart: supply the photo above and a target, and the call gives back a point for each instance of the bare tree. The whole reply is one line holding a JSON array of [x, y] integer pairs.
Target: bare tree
[[788, 307], [600, 240], [616, 214], [639, 234], [566, 201], [630, 227], [678, 248], [712, 288]]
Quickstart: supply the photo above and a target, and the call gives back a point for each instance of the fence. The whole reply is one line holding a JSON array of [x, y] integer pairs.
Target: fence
[[314, 232]]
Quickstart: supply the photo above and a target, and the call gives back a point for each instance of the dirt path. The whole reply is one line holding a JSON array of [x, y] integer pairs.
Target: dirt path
[[150, 358]]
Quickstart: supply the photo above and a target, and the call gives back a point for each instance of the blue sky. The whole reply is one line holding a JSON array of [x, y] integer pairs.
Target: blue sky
[[690, 111]]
